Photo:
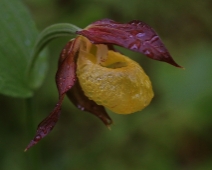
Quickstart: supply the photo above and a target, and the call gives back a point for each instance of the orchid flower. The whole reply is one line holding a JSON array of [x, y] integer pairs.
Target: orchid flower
[[95, 76]]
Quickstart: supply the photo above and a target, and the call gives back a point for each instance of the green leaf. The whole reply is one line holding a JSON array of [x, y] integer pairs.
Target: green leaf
[[22, 69], [18, 34]]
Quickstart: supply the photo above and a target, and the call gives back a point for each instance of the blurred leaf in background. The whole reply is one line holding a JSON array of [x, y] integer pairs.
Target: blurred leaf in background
[[18, 34]]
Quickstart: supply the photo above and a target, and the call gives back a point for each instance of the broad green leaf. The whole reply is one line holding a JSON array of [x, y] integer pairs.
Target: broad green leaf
[[18, 34]]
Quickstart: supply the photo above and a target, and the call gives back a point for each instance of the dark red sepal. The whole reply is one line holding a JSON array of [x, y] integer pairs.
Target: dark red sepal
[[65, 79], [47, 124], [66, 74], [78, 98], [135, 35]]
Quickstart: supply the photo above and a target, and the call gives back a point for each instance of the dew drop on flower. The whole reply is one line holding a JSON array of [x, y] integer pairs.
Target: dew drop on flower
[[139, 35], [134, 47], [37, 138]]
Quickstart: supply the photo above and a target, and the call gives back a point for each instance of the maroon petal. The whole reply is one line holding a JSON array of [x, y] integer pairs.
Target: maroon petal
[[65, 79], [47, 124], [66, 74], [78, 98], [135, 35]]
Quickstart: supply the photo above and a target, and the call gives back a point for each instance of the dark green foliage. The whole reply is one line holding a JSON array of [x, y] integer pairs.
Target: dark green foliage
[[18, 34]]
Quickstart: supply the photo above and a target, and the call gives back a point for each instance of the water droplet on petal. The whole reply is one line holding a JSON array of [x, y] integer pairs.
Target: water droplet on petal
[[37, 138], [134, 47], [140, 34], [80, 107], [147, 52]]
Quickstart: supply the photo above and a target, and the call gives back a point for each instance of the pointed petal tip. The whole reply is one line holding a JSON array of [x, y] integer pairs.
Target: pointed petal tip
[[32, 143], [181, 67], [108, 123], [176, 65], [168, 59], [26, 149], [109, 128]]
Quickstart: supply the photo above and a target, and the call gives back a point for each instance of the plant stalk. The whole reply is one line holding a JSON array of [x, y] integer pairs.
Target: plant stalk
[[33, 159]]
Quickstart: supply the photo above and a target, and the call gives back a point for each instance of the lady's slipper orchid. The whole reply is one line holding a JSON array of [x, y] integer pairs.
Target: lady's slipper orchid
[[94, 75]]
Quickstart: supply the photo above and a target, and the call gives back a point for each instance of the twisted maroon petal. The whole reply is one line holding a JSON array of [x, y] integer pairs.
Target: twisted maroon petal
[[135, 35], [65, 79], [47, 124], [78, 98]]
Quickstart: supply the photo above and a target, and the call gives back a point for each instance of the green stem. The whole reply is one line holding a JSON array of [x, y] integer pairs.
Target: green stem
[[32, 156], [48, 34], [29, 115]]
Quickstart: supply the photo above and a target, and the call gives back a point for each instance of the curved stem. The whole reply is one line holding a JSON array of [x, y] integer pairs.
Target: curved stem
[[48, 34]]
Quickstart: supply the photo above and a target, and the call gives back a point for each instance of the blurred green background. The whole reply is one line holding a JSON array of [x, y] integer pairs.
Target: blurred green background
[[173, 132]]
